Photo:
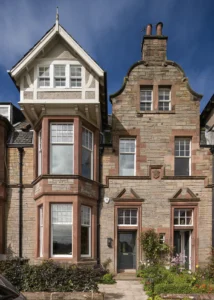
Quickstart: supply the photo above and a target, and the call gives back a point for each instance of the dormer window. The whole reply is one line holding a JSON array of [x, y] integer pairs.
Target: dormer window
[[44, 76], [59, 76], [76, 76]]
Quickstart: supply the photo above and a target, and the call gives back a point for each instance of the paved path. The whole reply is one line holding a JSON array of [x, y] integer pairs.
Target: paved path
[[123, 290]]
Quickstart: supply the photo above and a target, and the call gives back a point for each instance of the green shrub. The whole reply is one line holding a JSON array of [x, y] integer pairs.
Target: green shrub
[[173, 288], [154, 251], [50, 276], [108, 279]]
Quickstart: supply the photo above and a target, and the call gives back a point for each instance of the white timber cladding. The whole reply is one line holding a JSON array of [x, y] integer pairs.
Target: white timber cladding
[[59, 76]]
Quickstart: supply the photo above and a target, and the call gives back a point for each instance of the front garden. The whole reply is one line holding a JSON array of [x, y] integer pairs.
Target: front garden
[[161, 277]]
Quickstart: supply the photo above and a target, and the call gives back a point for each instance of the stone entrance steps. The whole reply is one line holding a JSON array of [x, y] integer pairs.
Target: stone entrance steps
[[127, 276]]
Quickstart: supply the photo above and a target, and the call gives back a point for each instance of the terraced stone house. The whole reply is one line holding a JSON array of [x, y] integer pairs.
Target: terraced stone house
[[78, 186]]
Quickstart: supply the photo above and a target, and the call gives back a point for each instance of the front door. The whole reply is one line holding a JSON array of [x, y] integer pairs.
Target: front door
[[182, 246], [126, 250]]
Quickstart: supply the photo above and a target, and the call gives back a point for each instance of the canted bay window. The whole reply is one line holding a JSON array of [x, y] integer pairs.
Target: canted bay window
[[61, 229], [61, 148], [183, 217], [76, 76], [85, 231], [87, 153], [182, 157], [164, 101], [127, 157], [44, 76], [145, 98], [127, 216], [59, 76], [40, 153]]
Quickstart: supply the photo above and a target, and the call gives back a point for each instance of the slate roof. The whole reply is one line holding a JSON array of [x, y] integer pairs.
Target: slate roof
[[21, 135]]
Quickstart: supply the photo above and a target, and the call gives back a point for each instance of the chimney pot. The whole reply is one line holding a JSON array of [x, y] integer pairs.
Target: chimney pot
[[149, 29], [159, 27]]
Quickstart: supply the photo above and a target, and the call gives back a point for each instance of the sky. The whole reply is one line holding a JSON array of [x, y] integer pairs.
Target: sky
[[111, 32]]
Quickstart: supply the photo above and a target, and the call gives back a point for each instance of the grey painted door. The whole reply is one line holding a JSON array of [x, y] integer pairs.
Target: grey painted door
[[126, 250]]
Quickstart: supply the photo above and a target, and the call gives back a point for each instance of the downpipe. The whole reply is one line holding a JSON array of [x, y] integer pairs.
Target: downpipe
[[21, 151]]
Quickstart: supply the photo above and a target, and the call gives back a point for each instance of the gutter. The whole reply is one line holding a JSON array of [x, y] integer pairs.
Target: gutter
[[21, 151]]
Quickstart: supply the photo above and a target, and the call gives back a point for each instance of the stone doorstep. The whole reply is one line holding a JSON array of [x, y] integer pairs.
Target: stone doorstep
[[188, 296], [63, 296]]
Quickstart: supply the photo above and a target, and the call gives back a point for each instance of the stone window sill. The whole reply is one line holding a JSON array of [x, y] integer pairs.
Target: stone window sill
[[152, 112]]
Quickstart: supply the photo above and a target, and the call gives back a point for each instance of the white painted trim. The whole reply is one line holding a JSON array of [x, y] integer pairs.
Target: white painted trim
[[46, 39], [28, 79], [97, 92], [22, 89], [83, 81], [60, 101], [35, 84]]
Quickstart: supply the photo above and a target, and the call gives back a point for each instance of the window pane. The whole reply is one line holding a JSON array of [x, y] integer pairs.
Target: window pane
[[62, 239], [44, 82], [59, 70], [127, 164], [86, 163], [62, 159], [41, 231], [61, 219], [59, 81], [85, 240], [127, 216], [85, 215], [145, 106], [181, 166]]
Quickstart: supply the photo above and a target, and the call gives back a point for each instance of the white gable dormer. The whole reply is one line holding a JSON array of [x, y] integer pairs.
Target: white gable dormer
[[58, 77]]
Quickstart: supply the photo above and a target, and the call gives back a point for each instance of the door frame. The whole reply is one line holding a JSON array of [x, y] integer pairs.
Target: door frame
[[182, 233], [136, 228], [193, 229]]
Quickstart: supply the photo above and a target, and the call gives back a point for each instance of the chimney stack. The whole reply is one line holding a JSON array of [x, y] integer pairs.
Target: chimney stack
[[154, 46]]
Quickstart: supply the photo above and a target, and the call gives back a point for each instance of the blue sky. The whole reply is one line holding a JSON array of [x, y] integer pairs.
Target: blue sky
[[111, 32]]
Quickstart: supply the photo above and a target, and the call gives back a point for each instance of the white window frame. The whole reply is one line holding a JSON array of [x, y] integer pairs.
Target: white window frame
[[190, 150], [57, 143], [44, 66], [41, 230], [75, 77], [8, 109], [92, 151], [179, 217], [89, 226], [59, 255], [125, 209], [67, 64], [146, 89], [164, 101], [40, 152], [134, 139], [162, 238], [60, 77]]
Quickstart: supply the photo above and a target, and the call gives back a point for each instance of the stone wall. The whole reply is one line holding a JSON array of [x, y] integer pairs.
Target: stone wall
[[63, 296]]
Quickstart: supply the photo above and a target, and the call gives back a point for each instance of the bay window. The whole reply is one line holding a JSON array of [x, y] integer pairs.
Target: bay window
[[61, 229], [85, 231], [127, 157], [61, 148], [87, 153]]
